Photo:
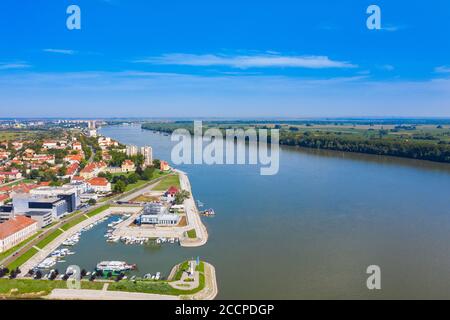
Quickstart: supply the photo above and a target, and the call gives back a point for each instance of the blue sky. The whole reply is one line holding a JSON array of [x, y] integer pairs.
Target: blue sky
[[224, 59]]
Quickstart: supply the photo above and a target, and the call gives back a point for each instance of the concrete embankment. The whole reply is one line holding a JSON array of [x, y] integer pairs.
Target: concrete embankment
[[193, 216]]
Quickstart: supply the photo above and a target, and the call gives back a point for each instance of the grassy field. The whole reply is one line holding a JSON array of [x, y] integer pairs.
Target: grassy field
[[158, 287], [167, 182], [39, 287], [143, 198], [52, 236], [22, 259], [74, 222], [10, 251], [17, 135], [98, 210], [138, 184], [192, 234]]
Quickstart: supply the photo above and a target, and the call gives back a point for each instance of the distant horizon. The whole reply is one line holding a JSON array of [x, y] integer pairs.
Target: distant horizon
[[144, 118], [225, 59]]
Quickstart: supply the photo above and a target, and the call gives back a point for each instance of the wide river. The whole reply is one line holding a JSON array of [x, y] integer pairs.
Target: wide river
[[311, 231]]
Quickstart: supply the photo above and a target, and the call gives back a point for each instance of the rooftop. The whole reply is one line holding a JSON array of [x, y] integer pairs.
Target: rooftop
[[14, 225]]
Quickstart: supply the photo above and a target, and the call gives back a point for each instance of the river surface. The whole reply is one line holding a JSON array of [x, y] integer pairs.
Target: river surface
[[309, 232]]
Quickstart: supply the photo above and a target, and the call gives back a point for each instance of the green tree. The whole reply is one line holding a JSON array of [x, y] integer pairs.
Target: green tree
[[157, 163], [147, 174], [181, 196], [119, 187], [133, 178]]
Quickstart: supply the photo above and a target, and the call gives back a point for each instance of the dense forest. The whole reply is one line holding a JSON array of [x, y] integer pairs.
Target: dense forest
[[378, 142]]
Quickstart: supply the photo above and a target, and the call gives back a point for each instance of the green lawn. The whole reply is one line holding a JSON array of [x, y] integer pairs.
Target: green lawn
[[22, 259], [192, 234], [73, 222], [52, 236], [43, 287], [167, 182], [10, 251], [181, 268], [138, 184], [98, 210], [158, 287]]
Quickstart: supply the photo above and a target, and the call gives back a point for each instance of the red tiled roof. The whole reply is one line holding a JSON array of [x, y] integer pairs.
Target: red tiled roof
[[4, 197], [5, 189], [172, 190], [89, 168], [72, 169], [98, 181], [128, 163], [78, 178], [14, 225]]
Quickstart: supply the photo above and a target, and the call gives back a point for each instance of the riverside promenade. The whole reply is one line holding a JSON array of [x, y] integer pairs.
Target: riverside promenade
[[209, 292], [193, 216]]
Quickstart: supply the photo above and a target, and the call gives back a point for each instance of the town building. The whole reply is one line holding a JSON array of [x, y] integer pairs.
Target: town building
[[128, 166], [16, 230], [77, 146], [3, 198], [100, 185], [132, 150], [59, 201], [164, 166], [147, 152], [43, 218], [11, 175], [155, 213], [49, 144], [6, 212]]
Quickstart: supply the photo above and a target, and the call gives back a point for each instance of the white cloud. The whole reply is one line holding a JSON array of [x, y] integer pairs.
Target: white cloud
[[162, 94], [13, 65], [248, 61], [442, 69], [61, 51]]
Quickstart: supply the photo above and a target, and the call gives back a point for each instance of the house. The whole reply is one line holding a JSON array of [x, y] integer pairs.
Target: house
[[16, 230], [100, 185], [13, 174], [4, 155], [89, 171], [17, 145], [77, 146], [71, 170], [3, 198], [164, 166], [44, 158], [172, 191], [49, 144], [74, 158], [128, 166], [77, 179]]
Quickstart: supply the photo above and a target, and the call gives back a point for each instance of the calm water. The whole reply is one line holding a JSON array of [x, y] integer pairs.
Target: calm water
[[310, 231]]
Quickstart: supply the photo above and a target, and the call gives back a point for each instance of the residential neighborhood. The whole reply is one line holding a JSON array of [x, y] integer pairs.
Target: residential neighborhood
[[44, 180]]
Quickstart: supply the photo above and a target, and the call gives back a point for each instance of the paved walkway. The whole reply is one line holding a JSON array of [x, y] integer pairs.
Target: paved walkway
[[85, 294], [193, 217]]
